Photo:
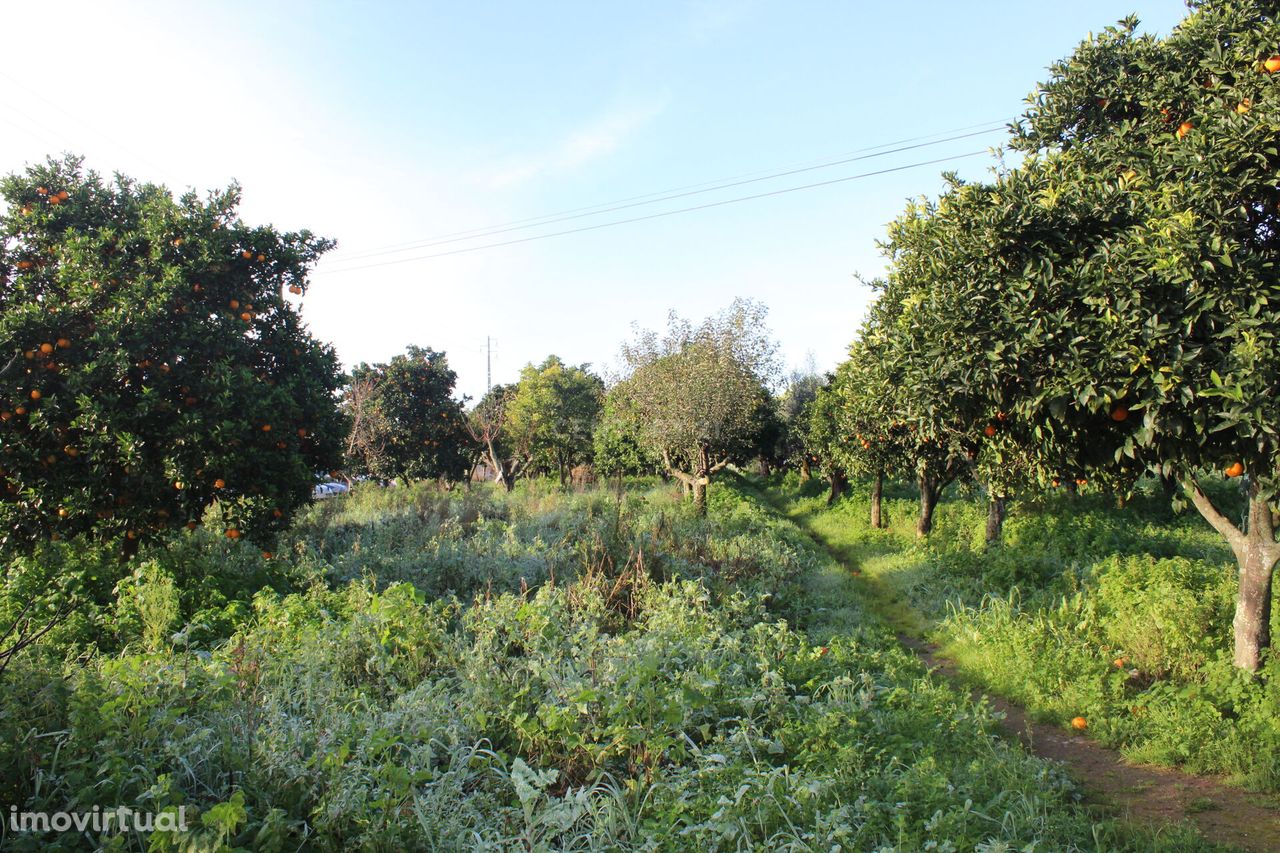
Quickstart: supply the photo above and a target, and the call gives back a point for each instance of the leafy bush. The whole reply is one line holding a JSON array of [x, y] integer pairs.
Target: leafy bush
[[658, 695]]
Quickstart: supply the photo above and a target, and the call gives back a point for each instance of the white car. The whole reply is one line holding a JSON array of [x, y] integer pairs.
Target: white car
[[329, 489]]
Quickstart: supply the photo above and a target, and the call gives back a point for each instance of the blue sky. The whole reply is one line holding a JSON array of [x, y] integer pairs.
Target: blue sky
[[384, 123]]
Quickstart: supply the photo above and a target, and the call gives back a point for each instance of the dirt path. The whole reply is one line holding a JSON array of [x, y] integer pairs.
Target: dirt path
[[1144, 794], [1141, 793]]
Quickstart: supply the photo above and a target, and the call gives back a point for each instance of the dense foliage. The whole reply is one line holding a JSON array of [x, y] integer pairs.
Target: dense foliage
[[405, 422], [152, 364]]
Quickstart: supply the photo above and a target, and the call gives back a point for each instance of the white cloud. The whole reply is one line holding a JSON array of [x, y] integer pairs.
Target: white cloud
[[594, 140]]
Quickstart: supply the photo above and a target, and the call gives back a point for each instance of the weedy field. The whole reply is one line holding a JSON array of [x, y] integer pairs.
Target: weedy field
[[1120, 616], [542, 670]]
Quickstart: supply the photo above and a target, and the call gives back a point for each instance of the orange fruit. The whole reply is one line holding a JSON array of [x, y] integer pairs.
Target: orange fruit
[[246, 316], [1184, 128], [232, 533], [1120, 413], [266, 427], [46, 348], [178, 486], [267, 555], [1119, 662], [64, 195], [20, 411], [35, 395], [219, 483], [192, 525], [262, 257], [24, 265], [246, 254], [1243, 106], [302, 433], [71, 451], [278, 513], [53, 199], [1079, 723], [1272, 64], [1234, 470], [989, 431], [62, 512], [41, 191], [1081, 481], [63, 343], [234, 303]]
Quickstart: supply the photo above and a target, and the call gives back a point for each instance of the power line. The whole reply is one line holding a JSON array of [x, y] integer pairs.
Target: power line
[[653, 215], [677, 192]]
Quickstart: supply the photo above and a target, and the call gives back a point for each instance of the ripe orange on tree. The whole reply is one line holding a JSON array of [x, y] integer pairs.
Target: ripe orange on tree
[[197, 343], [1272, 64], [1184, 128], [989, 431], [1079, 723], [1235, 469], [1119, 414]]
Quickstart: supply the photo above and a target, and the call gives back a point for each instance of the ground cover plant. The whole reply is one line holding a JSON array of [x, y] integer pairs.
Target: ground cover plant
[[407, 674], [1121, 616]]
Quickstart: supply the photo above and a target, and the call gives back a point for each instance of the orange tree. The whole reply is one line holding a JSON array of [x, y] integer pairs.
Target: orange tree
[[968, 263], [414, 428], [885, 427], [151, 365], [1135, 274]]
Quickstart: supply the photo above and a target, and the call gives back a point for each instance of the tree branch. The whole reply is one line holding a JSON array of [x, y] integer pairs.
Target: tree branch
[[687, 479], [1234, 535]]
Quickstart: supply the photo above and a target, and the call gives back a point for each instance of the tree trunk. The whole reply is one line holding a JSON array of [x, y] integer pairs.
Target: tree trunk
[[995, 519], [928, 500], [877, 493], [805, 471], [1257, 553], [839, 485], [1253, 605], [700, 495], [764, 467]]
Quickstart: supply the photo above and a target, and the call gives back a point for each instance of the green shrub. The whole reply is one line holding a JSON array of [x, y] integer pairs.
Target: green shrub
[[1166, 616]]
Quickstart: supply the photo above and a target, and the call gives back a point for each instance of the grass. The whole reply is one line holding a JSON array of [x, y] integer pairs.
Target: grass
[[537, 671], [1119, 615]]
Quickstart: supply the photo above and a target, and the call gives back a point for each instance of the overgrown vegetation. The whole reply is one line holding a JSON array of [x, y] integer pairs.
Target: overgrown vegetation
[[537, 671], [1122, 616]]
